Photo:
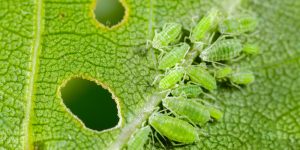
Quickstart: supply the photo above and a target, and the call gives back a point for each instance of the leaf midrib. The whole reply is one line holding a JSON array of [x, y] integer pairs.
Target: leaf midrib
[[36, 46]]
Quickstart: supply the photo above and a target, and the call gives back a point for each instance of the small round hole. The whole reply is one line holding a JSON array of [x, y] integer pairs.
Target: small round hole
[[91, 103], [109, 12]]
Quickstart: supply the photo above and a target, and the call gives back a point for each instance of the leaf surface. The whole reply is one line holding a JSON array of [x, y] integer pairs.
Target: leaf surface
[[43, 43]]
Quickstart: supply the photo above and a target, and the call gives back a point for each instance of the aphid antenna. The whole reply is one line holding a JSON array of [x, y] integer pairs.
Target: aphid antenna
[[209, 96], [242, 56], [188, 119], [156, 79]]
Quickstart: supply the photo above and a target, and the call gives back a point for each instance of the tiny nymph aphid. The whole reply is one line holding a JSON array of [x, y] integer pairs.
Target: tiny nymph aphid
[[170, 33], [238, 25], [173, 128], [139, 139]]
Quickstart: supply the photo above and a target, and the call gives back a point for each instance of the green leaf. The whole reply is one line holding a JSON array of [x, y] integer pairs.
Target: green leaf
[[45, 42]]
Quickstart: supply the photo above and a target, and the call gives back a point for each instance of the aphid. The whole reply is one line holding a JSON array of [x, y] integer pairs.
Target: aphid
[[251, 49], [206, 24], [225, 49], [171, 79], [214, 112], [201, 76], [170, 33], [194, 111], [139, 139], [238, 25], [189, 90], [173, 128], [243, 77], [223, 72], [174, 56]]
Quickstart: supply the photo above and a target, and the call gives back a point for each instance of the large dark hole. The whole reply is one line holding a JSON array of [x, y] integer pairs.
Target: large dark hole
[[91, 103], [109, 12]]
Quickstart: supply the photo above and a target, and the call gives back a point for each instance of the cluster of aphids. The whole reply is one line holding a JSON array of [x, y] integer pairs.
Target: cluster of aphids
[[192, 69]]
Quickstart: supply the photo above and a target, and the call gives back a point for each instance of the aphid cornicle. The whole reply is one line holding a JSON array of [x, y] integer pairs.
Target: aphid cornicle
[[225, 49], [189, 90], [174, 56], [139, 139], [194, 111], [173, 128], [243, 77], [223, 72], [238, 25], [171, 78], [206, 24], [201, 76], [251, 49], [170, 33]]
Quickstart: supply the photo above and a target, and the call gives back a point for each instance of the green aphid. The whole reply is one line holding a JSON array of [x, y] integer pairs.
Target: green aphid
[[199, 75], [189, 90], [171, 78], [225, 49], [193, 111], [223, 72], [214, 112], [251, 49], [174, 128], [238, 25], [175, 56], [206, 24], [243, 77], [139, 139], [169, 34]]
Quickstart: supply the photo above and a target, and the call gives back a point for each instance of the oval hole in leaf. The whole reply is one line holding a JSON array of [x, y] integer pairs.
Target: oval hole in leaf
[[109, 12], [91, 103]]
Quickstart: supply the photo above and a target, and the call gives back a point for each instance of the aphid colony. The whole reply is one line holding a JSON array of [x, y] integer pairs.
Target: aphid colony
[[190, 71]]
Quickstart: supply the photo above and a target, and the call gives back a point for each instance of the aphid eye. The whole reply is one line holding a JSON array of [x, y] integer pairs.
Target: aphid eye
[[251, 49], [243, 77]]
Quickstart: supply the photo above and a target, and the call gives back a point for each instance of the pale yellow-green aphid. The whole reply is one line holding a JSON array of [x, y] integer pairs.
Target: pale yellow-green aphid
[[173, 128], [192, 110], [139, 139], [170, 33], [199, 75]]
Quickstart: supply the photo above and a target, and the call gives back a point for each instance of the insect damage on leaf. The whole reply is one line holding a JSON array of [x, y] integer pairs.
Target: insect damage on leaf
[[218, 42]]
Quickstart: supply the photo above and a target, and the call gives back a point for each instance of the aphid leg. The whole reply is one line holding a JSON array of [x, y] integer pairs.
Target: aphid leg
[[209, 96], [159, 141], [156, 79], [188, 119], [238, 58], [203, 133], [235, 85]]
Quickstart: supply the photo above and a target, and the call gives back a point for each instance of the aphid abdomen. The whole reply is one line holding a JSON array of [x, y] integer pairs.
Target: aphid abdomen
[[245, 77], [222, 50], [223, 72], [206, 24], [201, 76], [139, 139], [214, 112], [173, 128], [238, 25], [190, 91], [174, 56], [194, 111], [251, 49], [171, 79]]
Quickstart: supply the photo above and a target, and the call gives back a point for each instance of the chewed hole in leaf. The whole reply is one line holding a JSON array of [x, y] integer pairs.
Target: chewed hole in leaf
[[91, 103], [109, 12]]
